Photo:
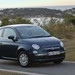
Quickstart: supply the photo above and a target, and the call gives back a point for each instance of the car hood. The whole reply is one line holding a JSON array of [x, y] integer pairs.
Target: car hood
[[42, 41]]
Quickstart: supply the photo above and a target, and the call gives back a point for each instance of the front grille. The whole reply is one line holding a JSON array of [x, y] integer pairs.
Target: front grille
[[51, 57], [52, 48]]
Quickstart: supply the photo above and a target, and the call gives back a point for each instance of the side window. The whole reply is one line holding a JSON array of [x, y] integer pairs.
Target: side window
[[1, 30], [8, 32]]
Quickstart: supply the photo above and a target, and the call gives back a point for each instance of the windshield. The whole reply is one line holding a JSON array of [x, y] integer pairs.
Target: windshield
[[32, 32]]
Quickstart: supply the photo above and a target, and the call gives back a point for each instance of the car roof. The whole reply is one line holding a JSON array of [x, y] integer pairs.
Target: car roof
[[18, 25]]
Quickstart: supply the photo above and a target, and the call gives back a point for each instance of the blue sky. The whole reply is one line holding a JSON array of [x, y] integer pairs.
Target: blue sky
[[32, 3]]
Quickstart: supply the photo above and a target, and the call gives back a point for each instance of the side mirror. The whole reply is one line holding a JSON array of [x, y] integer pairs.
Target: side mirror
[[12, 38]]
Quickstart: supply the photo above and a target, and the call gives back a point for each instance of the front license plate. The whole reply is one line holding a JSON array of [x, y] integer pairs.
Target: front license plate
[[54, 53]]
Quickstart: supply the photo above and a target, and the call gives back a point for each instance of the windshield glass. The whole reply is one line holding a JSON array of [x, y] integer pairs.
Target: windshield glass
[[32, 32]]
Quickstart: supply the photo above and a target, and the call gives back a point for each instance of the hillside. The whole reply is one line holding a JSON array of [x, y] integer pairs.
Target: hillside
[[34, 12], [70, 11], [30, 12]]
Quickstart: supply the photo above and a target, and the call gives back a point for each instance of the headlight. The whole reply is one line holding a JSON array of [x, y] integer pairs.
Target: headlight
[[61, 43], [35, 46]]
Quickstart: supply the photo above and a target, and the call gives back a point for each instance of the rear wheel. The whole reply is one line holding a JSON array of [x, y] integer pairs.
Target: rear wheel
[[23, 59]]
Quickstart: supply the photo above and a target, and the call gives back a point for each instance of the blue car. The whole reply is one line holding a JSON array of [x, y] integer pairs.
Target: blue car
[[28, 43]]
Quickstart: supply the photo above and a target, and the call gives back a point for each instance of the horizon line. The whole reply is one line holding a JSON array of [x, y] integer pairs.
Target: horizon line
[[38, 6]]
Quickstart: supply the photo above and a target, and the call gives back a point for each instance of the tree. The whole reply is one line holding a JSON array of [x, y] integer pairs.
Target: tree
[[72, 20], [5, 21], [69, 18], [20, 20]]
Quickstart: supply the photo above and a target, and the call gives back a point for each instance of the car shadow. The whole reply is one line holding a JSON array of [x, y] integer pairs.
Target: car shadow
[[8, 62], [38, 65], [32, 65]]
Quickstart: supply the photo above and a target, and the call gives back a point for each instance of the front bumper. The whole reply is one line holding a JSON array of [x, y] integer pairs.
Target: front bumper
[[43, 56], [46, 58]]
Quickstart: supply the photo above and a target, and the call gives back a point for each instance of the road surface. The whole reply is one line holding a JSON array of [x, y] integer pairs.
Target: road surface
[[66, 68]]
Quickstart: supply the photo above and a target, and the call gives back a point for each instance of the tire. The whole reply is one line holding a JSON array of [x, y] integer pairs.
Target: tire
[[58, 62], [23, 59]]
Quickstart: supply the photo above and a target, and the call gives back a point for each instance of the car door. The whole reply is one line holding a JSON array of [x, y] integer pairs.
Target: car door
[[9, 47]]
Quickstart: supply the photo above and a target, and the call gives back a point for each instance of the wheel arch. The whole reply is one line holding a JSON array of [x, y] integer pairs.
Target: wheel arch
[[20, 50]]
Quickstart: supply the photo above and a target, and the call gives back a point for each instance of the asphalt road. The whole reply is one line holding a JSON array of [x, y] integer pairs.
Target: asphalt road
[[66, 68]]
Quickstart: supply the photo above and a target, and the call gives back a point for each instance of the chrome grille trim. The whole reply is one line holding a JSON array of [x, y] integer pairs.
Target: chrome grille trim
[[52, 48]]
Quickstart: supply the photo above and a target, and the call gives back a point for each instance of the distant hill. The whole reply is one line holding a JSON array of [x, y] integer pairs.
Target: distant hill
[[62, 8], [34, 12], [30, 12], [70, 11]]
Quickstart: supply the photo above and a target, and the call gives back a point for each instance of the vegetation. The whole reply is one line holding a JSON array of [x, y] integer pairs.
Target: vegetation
[[12, 13], [69, 19], [29, 12], [5, 21], [10, 73], [18, 20], [63, 30], [70, 50]]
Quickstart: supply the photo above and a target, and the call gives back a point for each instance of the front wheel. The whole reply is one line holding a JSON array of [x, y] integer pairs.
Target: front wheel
[[23, 59]]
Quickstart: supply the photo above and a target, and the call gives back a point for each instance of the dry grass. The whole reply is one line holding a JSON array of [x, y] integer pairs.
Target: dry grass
[[70, 50], [9, 73], [61, 30]]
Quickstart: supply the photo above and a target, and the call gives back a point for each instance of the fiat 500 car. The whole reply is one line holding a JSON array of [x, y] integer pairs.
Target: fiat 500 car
[[28, 43]]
